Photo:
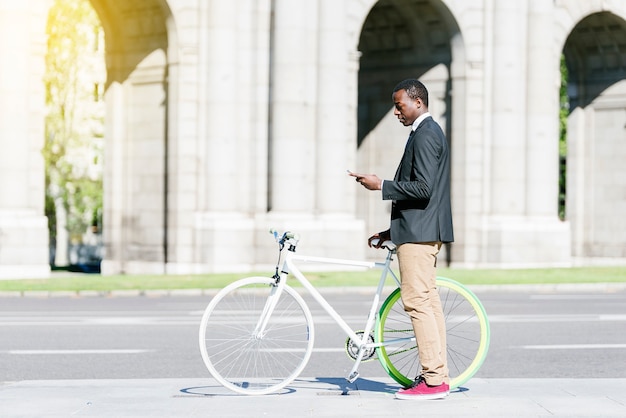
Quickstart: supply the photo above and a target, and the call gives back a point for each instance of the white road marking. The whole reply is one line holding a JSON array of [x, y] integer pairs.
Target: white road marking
[[97, 351], [572, 346], [574, 297], [357, 321], [111, 320], [556, 318]]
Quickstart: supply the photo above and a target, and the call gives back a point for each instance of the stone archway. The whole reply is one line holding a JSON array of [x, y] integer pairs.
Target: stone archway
[[595, 54]]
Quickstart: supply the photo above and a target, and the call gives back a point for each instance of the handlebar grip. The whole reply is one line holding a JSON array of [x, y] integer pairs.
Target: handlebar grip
[[286, 235], [387, 244]]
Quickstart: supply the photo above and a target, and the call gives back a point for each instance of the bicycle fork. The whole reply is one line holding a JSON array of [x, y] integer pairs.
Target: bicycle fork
[[268, 309]]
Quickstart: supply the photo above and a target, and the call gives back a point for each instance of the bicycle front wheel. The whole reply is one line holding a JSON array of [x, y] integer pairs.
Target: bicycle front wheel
[[249, 350], [467, 335]]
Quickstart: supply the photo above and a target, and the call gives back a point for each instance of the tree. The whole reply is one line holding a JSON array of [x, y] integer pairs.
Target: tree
[[563, 114], [74, 121]]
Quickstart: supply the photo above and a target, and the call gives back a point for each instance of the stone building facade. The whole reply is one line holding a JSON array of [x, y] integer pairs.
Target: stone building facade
[[227, 118]]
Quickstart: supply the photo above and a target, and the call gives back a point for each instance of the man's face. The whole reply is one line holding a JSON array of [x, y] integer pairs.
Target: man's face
[[405, 108]]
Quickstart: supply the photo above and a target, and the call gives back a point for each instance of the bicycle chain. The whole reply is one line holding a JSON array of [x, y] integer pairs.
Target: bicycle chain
[[352, 349]]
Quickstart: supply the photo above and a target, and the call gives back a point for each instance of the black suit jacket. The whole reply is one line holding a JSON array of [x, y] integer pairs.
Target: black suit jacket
[[420, 190]]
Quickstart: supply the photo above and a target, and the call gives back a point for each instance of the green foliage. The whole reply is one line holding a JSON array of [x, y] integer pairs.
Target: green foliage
[[563, 109], [563, 114], [72, 121]]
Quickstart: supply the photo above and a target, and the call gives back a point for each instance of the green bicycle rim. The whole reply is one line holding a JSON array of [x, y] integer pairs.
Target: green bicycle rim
[[481, 352]]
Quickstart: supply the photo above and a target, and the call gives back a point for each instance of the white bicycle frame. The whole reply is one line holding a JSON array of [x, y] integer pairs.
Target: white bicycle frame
[[362, 343]]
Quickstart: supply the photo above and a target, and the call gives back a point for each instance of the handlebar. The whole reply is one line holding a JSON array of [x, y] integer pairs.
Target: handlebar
[[387, 244], [287, 237], [292, 239]]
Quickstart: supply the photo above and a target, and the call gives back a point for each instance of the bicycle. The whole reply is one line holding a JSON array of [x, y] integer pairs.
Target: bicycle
[[257, 334]]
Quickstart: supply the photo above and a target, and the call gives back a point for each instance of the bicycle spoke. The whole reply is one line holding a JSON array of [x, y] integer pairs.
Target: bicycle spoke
[[467, 334], [250, 363]]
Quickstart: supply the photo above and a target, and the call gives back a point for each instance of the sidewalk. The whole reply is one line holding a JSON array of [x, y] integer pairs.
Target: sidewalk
[[317, 397]]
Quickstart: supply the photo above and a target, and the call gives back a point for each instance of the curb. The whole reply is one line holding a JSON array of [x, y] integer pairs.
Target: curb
[[539, 288]]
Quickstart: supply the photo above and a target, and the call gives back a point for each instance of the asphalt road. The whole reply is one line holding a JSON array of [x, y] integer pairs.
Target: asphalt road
[[540, 332]]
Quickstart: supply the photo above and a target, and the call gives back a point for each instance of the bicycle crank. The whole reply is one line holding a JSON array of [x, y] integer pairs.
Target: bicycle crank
[[352, 349]]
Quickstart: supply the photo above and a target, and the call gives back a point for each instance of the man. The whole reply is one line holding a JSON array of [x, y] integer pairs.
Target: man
[[421, 220]]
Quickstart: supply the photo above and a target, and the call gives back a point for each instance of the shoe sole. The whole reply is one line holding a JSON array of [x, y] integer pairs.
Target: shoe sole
[[425, 397]]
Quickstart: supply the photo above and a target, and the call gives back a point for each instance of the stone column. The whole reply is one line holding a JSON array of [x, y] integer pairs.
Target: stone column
[[114, 177], [312, 134], [293, 107], [519, 230], [24, 247], [508, 168], [226, 141], [336, 145], [542, 141], [505, 240], [542, 109], [224, 111]]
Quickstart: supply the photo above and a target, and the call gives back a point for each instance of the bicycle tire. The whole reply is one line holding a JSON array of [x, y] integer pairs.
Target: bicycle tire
[[249, 364], [467, 334]]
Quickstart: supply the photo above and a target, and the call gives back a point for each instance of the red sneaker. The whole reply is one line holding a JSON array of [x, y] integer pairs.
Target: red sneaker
[[421, 390]]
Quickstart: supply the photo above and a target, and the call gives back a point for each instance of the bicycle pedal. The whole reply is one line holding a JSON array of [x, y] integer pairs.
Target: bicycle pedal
[[354, 376]]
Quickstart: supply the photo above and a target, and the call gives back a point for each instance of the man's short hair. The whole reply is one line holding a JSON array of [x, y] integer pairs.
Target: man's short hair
[[414, 89]]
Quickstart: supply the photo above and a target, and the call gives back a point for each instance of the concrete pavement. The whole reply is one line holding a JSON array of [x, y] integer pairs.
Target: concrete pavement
[[313, 396], [316, 397]]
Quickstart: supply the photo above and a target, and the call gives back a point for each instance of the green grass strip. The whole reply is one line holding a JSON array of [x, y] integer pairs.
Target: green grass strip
[[94, 282]]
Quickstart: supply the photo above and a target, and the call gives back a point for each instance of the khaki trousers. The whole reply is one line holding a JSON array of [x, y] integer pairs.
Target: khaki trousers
[[418, 272]]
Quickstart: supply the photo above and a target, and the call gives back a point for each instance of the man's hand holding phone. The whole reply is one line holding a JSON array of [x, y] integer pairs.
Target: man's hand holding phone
[[369, 181]]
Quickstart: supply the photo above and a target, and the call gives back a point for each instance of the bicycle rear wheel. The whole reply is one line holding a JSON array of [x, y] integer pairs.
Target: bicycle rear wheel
[[467, 334], [239, 357]]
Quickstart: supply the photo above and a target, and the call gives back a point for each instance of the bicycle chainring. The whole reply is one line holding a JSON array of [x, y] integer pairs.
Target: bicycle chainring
[[352, 349]]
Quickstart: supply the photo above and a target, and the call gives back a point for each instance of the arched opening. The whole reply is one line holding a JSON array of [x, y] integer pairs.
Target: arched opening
[[400, 39], [136, 159], [130, 208], [595, 55], [74, 80]]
